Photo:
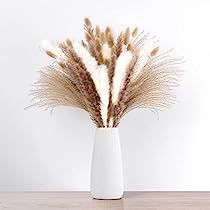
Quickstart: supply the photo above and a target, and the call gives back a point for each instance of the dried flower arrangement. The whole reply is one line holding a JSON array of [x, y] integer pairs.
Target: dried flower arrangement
[[108, 76]]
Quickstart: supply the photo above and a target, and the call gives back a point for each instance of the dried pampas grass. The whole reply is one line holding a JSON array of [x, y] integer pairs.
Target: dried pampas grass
[[107, 75]]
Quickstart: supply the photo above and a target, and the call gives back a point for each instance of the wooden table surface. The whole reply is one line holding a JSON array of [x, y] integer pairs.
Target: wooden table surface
[[83, 201]]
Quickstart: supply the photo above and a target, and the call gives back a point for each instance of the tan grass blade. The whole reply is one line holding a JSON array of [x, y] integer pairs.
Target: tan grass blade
[[54, 88], [154, 87]]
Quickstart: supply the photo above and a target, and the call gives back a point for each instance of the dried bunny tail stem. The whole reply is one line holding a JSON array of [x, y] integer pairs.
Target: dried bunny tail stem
[[100, 58], [90, 38], [52, 49], [154, 52], [154, 87], [108, 31], [126, 36], [94, 41], [98, 45], [62, 65], [102, 38], [130, 47], [110, 41], [109, 37], [120, 106], [69, 43], [98, 31], [85, 84], [51, 54], [135, 32], [88, 22]]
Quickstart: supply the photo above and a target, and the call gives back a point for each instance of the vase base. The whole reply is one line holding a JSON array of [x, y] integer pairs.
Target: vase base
[[107, 197]]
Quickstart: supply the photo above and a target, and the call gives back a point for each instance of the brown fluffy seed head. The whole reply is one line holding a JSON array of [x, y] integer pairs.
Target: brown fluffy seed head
[[69, 43], [100, 58], [129, 47], [107, 31], [126, 36], [88, 22], [135, 32], [98, 31], [98, 45], [102, 38], [88, 37], [63, 65], [51, 54], [107, 62], [110, 41], [154, 52]]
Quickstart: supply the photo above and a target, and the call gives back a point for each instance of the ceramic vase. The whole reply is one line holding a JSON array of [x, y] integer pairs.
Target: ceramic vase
[[106, 171]]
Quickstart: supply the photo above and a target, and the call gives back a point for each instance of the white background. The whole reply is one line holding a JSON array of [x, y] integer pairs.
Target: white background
[[40, 151]]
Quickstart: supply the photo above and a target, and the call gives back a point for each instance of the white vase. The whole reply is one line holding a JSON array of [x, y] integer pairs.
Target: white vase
[[106, 172]]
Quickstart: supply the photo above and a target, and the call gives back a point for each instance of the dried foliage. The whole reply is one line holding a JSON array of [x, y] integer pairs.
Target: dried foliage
[[107, 75]]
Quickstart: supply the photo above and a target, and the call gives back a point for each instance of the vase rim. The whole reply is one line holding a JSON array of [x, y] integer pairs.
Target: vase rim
[[107, 128]]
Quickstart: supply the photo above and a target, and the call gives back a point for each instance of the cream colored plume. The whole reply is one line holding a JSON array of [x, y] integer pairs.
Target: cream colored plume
[[120, 72], [106, 51], [99, 75], [104, 91], [52, 49]]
